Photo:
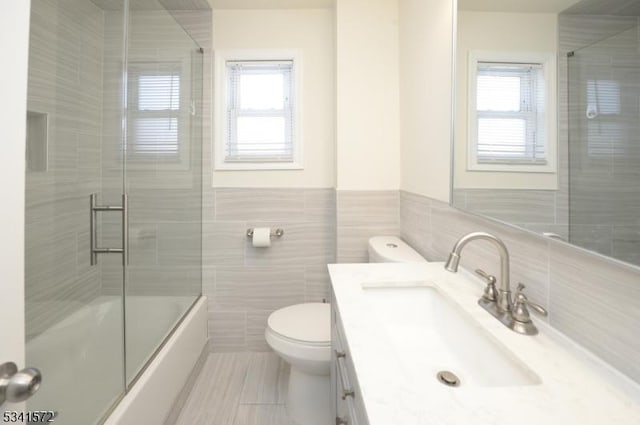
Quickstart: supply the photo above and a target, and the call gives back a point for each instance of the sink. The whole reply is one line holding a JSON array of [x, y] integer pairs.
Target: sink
[[430, 334]]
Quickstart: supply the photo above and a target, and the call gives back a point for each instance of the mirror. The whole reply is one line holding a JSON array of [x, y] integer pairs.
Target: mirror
[[547, 128]]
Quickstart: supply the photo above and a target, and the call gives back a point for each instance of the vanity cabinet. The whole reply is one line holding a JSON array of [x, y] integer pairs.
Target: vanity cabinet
[[346, 398]]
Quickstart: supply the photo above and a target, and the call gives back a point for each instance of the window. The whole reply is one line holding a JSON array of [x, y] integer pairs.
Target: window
[[510, 116], [260, 104], [155, 112]]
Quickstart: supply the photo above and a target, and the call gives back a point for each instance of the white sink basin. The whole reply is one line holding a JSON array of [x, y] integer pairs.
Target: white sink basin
[[430, 334]]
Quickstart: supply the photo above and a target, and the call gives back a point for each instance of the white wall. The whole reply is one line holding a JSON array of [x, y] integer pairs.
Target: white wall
[[311, 31], [527, 32], [367, 123], [425, 96], [14, 41]]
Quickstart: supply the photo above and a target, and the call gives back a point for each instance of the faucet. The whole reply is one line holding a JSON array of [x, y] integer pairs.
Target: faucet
[[513, 315], [503, 302]]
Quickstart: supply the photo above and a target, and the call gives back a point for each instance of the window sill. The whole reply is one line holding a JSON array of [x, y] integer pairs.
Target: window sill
[[257, 166], [513, 168]]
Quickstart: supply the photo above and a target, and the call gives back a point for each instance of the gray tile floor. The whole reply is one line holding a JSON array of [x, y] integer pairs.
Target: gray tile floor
[[238, 389]]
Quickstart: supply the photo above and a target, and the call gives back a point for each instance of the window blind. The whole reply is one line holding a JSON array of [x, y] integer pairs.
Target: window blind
[[155, 110], [510, 113], [606, 134], [259, 111]]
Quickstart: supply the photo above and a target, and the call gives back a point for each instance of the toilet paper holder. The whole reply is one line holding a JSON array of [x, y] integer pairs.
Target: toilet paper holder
[[277, 234]]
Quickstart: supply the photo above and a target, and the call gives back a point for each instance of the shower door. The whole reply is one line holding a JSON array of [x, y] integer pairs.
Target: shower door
[[114, 114], [162, 179], [74, 306], [604, 148]]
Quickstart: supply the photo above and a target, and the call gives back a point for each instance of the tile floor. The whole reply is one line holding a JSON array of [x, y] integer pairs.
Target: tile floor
[[238, 389]]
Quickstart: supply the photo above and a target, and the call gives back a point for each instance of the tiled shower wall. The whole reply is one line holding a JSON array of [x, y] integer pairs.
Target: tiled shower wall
[[164, 196], [65, 82], [245, 284]]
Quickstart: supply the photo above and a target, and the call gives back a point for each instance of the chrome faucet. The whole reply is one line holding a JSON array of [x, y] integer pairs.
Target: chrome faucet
[[503, 302], [499, 304]]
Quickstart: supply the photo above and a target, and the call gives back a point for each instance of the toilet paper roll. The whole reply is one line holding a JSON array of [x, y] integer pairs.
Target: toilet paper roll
[[262, 237]]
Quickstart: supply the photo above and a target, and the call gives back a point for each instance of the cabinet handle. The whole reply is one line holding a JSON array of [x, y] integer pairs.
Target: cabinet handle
[[340, 354], [341, 421], [348, 393]]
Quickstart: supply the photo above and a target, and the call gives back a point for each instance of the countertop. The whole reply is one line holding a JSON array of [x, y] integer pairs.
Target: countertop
[[576, 387]]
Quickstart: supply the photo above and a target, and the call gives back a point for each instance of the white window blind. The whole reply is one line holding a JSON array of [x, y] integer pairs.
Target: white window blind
[[510, 114], [606, 134], [260, 122], [155, 110]]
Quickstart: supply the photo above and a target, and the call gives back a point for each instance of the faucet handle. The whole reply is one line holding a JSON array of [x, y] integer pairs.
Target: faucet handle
[[490, 292], [521, 302], [486, 276]]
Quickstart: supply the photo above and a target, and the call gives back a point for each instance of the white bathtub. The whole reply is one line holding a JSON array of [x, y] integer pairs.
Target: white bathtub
[[81, 357]]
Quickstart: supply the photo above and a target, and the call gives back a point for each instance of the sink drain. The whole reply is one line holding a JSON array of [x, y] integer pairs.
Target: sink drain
[[448, 378]]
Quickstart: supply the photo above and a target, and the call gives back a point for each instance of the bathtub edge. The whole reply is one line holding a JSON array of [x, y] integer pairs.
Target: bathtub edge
[[151, 399]]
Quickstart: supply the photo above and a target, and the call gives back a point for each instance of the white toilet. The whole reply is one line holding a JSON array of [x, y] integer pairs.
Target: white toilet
[[301, 335]]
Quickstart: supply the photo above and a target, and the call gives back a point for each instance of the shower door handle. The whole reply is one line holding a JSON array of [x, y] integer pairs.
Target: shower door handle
[[125, 229], [93, 229], [18, 386]]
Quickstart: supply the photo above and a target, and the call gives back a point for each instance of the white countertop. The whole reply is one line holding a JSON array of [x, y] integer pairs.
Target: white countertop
[[576, 387]]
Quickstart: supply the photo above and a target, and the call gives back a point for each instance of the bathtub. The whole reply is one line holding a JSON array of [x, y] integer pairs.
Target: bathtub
[[87, 347]]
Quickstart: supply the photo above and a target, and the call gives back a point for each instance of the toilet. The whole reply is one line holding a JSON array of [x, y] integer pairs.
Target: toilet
[[301, 335]]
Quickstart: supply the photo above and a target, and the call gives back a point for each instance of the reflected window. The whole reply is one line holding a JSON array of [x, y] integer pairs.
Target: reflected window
[[511, 102], [509, 106], [155, 110]]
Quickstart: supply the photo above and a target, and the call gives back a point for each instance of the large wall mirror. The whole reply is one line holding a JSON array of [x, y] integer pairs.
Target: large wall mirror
[[547, 119]]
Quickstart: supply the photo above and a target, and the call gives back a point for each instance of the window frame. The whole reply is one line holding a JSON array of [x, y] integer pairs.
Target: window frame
[[221, 98], [548, 63]]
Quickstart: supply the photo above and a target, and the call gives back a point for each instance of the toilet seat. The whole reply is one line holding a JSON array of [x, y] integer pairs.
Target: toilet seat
[[306, 324]]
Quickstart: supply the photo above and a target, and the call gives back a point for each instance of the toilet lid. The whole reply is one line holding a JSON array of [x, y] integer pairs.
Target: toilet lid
[[310, 322]]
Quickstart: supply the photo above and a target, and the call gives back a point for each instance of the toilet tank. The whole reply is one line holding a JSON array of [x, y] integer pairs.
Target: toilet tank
[[392, 249]]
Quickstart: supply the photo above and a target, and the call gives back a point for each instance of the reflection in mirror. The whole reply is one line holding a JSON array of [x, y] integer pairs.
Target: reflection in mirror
[[547, 119]]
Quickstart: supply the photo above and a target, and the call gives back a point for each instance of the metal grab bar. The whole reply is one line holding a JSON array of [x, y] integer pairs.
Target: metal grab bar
[[93, 228]]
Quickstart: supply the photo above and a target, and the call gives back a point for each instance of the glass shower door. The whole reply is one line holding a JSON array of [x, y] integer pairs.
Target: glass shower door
[[114, 107], [163, 180], [74, 309], [604, 87]]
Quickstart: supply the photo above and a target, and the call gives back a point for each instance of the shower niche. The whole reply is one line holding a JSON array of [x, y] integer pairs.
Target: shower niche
[[37, 141]]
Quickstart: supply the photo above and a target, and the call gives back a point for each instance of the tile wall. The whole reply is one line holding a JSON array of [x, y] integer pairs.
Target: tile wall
[[245, 284], [538, 210], [360, 215], [65, 83]]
